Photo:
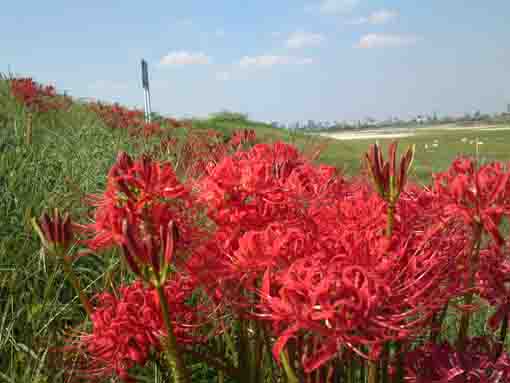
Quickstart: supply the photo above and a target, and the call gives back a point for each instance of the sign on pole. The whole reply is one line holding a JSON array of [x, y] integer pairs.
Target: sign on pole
[[146, 91]]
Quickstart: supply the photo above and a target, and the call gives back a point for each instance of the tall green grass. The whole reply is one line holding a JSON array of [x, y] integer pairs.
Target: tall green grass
[[70, 154]]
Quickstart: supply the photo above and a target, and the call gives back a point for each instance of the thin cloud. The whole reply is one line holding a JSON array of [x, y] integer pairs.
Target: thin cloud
[[223, 76], [380, 17], [337, 6], [382, 40], [108, 85], [269, 61], [303, 39], [180, 58]]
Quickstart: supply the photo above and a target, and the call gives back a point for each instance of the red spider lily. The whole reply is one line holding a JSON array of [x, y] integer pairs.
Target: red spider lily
[[242, 137], [306, 252], [266, 188], [147, 195], [150, 256], [354, 287], [118, 117], [440, 363], [494, 280], [55, 232], [332, 227], [477, 196], [151, 129], [36, 97], [388, 180], [129, 326], [200, 150], [57, 235]]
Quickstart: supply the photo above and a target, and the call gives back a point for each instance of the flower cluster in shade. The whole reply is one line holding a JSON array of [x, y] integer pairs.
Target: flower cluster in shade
[[442, 363]]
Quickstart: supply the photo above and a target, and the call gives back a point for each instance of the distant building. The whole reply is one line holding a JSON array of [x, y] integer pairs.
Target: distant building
[[421, 119]]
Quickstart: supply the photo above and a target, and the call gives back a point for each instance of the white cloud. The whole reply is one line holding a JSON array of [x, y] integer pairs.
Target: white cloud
[[301, 39], [223, 76], [337, 6], [382, 16], [185, 58], [268, 61], [382, 40]]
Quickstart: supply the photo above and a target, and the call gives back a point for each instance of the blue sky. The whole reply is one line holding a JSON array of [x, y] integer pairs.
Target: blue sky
[[280, 60]]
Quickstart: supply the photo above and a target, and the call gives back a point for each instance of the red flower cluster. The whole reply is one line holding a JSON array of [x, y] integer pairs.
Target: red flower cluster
[[128, 328], [118, 117], [201, 149], [146, 196], [258, 201], [327, 265], [243, 137], [330, 272], [36, 97], [475, 195]]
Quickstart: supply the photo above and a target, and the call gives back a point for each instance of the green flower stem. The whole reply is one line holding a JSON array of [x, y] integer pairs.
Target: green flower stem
[[373, 369], [502, 336], [174, 358], [390, 223], [289, 372]]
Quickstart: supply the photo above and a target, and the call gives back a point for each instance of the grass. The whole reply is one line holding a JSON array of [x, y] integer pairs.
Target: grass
[[428, 159], [69, 158]]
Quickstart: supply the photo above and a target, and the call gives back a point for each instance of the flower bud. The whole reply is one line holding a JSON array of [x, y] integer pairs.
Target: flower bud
[[55, 232], [388, 180]]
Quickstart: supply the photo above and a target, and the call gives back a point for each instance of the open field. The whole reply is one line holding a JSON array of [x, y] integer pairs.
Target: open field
[[435, 148]]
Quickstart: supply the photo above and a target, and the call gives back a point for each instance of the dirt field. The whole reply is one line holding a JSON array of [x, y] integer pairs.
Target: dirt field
[[407, 132]]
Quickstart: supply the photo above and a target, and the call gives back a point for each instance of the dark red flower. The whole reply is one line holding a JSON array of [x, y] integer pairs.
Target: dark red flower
[[441, 363]]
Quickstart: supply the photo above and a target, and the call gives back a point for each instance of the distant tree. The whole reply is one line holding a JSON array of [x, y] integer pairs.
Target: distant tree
[[226, 115]]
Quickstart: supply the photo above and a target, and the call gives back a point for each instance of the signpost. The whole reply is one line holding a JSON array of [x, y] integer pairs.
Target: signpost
[[146, 91]]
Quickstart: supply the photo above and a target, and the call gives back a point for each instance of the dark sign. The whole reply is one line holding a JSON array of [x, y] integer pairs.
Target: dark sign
[[145, 75]]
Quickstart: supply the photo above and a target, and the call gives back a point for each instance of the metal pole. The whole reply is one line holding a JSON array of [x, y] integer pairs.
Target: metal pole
[[147, 94], [148, 105]]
